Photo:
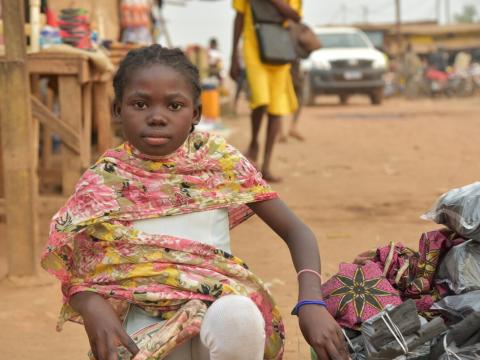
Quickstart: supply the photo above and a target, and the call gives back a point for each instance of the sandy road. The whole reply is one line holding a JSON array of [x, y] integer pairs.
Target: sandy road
[[362, 178]]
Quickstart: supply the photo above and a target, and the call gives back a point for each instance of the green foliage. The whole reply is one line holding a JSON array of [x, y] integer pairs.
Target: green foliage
[[468, 15]]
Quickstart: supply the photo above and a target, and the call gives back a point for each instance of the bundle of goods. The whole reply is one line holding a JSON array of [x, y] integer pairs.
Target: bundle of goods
[[75, 28], [399, 303]]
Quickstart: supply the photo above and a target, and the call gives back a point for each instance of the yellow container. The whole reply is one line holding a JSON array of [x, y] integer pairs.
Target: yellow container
[[211, 104]]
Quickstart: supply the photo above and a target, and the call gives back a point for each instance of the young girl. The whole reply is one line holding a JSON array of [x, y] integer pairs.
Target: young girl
[[142, 247]]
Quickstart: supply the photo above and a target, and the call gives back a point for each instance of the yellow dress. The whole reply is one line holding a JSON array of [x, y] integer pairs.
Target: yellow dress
[[270, 85]]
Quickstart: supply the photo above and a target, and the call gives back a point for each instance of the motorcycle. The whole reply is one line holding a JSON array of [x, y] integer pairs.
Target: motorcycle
[[438, 83]]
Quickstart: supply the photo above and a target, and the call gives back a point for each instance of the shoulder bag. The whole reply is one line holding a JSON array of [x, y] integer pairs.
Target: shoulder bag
[[306, 41], [275, 41]]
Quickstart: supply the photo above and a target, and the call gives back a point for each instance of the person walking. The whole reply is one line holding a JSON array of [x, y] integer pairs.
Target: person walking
[[271, 88]]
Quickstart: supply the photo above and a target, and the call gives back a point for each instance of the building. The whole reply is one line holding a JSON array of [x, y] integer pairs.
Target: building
[[425, 37]]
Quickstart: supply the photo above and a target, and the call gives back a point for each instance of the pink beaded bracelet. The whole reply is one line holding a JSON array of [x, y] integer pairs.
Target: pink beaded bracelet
[[310, 271]]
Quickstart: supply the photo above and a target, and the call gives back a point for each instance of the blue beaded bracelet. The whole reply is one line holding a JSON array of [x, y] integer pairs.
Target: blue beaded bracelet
[[307, 302]]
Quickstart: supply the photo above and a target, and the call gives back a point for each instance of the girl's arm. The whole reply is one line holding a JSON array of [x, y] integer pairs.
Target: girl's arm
[[318, 327], [300, 241], [286, 10]]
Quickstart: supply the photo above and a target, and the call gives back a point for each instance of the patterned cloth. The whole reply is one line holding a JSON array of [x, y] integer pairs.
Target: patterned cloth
[[389, 275], [412, 272], [93, 247], [358, 292]]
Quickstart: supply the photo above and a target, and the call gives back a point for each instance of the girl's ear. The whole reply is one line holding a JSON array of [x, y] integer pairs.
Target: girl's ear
[[116, 109], [197, 114]]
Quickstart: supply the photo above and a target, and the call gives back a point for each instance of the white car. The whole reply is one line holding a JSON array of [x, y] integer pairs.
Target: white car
[[346, 64]]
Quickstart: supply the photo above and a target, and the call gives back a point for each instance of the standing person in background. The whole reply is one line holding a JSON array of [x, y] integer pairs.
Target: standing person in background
[[412, 68], [271, 88], [215, 62], [439, 59]]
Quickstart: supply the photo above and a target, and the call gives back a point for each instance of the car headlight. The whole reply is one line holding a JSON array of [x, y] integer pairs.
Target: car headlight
[[379, 64], [306, 65], [322, 64]]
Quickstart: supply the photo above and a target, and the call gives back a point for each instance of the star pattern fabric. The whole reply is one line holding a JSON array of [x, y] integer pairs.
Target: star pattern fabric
[[358, 292]]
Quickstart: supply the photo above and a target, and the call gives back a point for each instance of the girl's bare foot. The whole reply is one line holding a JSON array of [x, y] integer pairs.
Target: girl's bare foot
[[296, 135], [282, 138]]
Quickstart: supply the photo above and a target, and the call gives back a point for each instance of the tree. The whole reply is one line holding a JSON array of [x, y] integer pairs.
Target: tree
[[468, 14]]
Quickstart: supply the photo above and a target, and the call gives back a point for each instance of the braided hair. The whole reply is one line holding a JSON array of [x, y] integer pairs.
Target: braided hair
[[156, 54]]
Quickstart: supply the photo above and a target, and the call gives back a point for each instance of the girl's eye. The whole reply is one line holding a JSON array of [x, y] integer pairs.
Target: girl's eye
[[175, 106], [140, 105]]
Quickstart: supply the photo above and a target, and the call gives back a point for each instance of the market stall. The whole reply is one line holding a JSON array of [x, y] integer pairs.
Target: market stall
[[55, 112]]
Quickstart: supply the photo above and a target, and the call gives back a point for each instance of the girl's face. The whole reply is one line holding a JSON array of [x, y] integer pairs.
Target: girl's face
[[157, 110]]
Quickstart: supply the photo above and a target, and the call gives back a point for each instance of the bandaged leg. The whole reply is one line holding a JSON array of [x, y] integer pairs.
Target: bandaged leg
[[233, 329]]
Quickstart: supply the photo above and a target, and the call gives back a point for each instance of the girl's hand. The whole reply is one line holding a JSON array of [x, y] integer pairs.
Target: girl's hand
[[103, 327], [322, 333]]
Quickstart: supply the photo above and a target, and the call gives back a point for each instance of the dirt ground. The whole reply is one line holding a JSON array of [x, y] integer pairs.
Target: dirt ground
[[362, 178]]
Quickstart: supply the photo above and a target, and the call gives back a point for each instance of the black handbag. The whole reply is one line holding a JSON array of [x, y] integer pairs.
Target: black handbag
[[274, 40]]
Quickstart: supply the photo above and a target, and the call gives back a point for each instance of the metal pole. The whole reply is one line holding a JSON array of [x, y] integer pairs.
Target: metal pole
[[365, 13], [398, 28], [447, 11], [438, 10], [164, 30]]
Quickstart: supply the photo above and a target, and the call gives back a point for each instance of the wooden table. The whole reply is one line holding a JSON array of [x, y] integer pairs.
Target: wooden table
[[83, 100]]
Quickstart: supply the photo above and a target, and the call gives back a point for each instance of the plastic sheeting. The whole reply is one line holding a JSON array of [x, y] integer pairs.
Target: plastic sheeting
[[459, 306], [459, 210], [467, 353], [460, 268]]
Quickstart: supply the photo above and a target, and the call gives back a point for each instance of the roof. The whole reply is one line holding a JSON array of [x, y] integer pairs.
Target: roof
[[335, 29], [440, 30], [423, 28], [386, 27]]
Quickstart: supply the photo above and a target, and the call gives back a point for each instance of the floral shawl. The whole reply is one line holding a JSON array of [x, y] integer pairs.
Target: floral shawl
[[93, 247]]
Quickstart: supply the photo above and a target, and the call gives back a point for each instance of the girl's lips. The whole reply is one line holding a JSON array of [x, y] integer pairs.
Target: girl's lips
[[155, 141]]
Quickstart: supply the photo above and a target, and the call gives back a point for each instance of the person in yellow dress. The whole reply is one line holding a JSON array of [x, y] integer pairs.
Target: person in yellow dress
[[271, 86]]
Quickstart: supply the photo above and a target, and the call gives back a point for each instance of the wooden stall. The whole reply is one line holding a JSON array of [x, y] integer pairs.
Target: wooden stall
[[83, 101], [77, 105]]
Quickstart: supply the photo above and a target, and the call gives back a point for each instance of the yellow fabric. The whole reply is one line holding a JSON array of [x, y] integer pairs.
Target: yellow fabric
[[270, 85]]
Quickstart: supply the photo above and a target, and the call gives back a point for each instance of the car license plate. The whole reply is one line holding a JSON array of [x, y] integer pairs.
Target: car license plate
[[352, 75]]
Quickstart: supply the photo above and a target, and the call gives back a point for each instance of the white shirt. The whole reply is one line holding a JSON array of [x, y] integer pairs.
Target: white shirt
[[209, 227]]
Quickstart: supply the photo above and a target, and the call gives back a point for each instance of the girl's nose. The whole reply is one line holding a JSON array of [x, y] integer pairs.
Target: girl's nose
[[157, 119]]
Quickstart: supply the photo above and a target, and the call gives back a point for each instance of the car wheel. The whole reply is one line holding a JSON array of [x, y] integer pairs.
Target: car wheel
[[376, 97], [343, 99]]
